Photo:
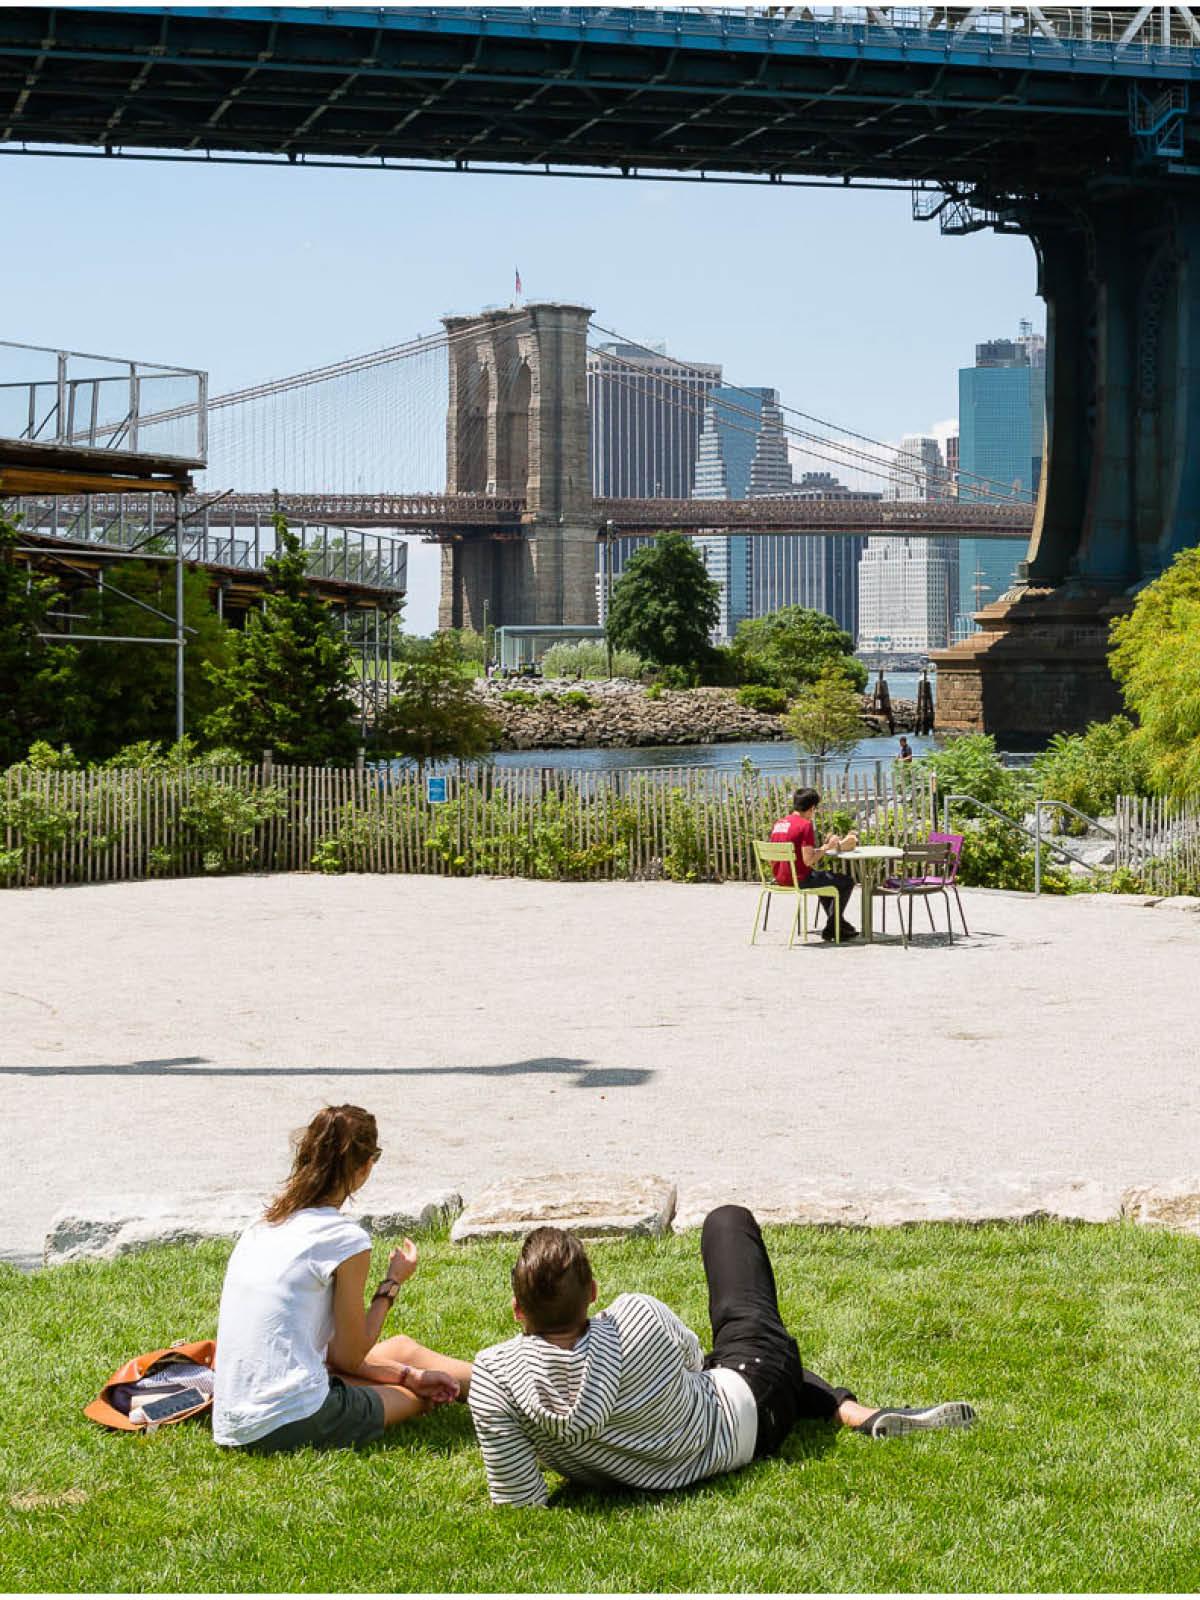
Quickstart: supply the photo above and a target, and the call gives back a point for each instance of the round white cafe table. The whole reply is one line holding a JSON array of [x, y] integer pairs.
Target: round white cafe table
[[867, 863]]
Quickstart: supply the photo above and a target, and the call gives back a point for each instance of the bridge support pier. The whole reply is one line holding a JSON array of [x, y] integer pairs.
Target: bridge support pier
[[517, 424], [547, 577], [1120, 491]]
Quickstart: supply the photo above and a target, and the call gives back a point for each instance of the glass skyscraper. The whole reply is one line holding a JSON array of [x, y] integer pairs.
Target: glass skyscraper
[[1001, 418], [742, 452]]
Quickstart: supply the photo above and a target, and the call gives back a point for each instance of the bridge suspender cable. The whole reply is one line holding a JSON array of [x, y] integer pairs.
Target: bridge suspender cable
[[849, 457], [883, 466]]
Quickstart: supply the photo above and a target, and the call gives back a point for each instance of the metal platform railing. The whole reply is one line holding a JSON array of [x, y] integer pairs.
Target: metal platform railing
[[73, 400]]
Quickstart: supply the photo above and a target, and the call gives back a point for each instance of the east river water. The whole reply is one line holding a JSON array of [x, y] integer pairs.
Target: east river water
[[773, 755]]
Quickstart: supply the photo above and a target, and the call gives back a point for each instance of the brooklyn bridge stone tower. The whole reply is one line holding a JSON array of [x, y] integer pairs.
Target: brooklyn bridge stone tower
[[517, 425]]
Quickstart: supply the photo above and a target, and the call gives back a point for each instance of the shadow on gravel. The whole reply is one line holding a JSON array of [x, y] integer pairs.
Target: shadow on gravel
[[584, 1074]]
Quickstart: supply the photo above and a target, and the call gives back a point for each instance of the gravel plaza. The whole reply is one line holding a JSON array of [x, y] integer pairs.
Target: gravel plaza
[[164, 1037]]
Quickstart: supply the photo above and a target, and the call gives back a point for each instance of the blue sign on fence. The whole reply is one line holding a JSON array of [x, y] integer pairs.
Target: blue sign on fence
[[436, 791]]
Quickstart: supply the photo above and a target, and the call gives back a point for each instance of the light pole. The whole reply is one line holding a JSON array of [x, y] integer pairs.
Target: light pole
[[608, 650]]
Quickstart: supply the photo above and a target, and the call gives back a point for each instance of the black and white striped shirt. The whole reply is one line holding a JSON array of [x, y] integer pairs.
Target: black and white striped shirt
[[628, 1404]]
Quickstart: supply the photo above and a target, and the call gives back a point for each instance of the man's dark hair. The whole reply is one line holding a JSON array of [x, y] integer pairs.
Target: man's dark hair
[[552, 1281], [805, 799]]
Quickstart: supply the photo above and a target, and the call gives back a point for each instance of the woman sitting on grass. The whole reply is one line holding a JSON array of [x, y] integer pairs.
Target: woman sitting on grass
[[297, 1357]]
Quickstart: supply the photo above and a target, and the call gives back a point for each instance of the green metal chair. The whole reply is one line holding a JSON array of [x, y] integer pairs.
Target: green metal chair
[[767, 854]]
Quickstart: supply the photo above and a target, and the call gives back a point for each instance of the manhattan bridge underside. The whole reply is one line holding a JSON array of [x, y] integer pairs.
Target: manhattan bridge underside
[[1074, 126]]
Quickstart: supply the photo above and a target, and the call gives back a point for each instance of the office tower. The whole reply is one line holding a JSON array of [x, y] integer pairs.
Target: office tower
[[818, 571], [918, 472], [646, 415], [952, 464], [907, 588], [907, 591], [742, 453], [1001, 421]]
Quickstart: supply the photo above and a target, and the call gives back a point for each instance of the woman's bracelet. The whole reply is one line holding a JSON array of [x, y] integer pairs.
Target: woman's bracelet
[[382, 1292]]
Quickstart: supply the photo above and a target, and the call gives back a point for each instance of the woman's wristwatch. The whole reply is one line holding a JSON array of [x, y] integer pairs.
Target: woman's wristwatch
[[387, 1290]]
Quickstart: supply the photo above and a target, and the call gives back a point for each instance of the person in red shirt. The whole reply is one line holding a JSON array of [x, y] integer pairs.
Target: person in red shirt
[[797, 829]]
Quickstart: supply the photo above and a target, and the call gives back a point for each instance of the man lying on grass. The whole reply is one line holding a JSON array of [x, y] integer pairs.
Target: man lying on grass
[[625, 1396]]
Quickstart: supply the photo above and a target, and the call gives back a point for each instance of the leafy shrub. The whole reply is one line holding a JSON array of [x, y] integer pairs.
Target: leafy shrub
[[1089, 770], [589, 659], [519, 697], [970, 764], [996, 856], [41, 825], [221, 821], [44, 757], [654, 692], [344, 849], [577, 700], [677, 677], [546, 845], [684, 858], [1156, 660], [761, 697]]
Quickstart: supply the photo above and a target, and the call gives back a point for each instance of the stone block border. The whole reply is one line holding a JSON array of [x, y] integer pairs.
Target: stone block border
[[599, 1207], [104, 1230]]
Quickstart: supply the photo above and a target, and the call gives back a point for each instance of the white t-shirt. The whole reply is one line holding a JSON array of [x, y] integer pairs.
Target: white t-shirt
[[276, 1321]]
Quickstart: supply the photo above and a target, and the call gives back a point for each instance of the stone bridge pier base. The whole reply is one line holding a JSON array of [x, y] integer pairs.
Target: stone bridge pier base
[[548, 576]]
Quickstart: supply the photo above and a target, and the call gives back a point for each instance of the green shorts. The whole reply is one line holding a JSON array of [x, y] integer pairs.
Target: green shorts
[[347, 1416]]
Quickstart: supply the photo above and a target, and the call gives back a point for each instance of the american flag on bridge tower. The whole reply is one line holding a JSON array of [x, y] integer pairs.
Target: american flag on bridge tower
[[517, 274]]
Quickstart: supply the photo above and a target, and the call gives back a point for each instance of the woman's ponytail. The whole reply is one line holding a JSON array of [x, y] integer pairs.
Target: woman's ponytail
[[330, 1153]]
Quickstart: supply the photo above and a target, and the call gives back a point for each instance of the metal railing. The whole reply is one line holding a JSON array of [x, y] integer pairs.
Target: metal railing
[[73, 399], [1040, 843], [1060, 805], [376, 560], [1041, 36]]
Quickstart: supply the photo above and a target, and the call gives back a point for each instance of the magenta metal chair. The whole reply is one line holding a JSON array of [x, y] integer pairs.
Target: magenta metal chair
[[950, 882], [923, 871]]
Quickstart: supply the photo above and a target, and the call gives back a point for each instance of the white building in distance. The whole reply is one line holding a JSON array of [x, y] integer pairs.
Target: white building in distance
[[908, 588]]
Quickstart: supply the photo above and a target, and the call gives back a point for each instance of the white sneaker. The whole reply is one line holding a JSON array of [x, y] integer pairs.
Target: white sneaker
[[896, 1422]]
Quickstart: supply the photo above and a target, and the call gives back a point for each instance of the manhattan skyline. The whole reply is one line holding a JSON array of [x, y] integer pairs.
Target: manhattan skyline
[[836, 298]]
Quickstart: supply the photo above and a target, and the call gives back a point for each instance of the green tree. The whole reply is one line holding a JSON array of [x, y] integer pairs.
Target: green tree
[[434, 713], [286, 686], [1156, 660], [37, 679], [825, 719], [665, 605], [792, 647], [125, 693]]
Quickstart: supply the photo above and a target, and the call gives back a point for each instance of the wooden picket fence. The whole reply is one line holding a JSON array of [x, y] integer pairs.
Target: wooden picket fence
[[1159, 842], [109, 826]]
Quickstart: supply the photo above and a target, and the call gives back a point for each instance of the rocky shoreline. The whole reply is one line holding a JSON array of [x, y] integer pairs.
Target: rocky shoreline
[[623, 714]]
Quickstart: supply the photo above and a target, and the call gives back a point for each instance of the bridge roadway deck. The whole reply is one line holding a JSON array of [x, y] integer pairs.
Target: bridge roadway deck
[[165, 1037], [1032, 100], [464, 515]]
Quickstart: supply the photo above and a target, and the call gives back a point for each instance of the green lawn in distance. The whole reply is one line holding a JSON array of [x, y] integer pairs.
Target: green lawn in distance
[[1077, 1345]]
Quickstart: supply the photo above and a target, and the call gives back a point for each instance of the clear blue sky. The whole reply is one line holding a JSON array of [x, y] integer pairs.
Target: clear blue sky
[[836, 298]]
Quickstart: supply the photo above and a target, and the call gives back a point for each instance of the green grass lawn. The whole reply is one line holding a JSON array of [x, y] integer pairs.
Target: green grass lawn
[[1078, 1347]]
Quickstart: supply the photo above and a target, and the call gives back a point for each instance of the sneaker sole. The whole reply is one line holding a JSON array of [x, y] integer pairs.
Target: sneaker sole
[[896, 1425]]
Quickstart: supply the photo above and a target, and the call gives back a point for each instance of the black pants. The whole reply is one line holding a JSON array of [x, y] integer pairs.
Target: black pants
[[748, 1332], [841, 881]]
